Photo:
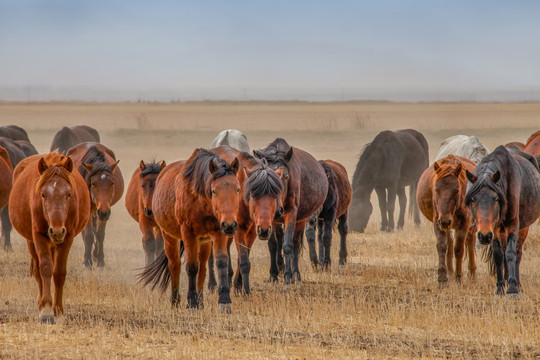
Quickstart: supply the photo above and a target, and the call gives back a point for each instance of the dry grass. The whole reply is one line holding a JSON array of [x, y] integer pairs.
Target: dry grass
[[384, 304]]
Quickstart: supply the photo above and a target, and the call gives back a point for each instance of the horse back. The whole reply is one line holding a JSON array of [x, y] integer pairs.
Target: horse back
[[341, 182], [533, 145], [415, 156], [529, 201], [14, 132]]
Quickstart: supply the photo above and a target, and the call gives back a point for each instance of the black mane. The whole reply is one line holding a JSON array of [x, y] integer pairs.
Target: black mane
[[262, 181], [151, 168], [484, 170], [96, 158], [197, 174], [275, 152]]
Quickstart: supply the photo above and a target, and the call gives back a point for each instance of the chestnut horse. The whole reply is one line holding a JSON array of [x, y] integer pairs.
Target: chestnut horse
[[441, 199], [139, 205], [52, 206], [335, 207], [195, 202], [504, 198], [533, 144], [393, 160], [516, 145], [305, 188], [6, 175], [66, 138], [98, 166]]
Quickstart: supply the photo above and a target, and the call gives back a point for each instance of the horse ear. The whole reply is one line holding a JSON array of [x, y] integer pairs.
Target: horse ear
[[68, 164], [470, 176], [114, 165], [289, 154], [258, 154], [235, 165], [142, 165], [458, 169], [88, 167], [495, 177], [212, 166], [246, 171], [436, 166], [42, 166], [162, 164]]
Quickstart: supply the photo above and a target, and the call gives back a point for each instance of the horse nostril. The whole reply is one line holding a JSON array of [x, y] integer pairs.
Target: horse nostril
[[234, 225], [280, 210], [51, 231], [63, 231], [485, 238]]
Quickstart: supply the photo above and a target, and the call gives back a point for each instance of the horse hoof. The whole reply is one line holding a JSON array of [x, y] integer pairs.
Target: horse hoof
[[46, 316], [512, 296], [443, 284], [225, 308]]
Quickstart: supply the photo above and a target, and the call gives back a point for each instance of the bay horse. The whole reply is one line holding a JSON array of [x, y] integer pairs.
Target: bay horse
[[17, 150], [465, 146], [533, 144], [233, 138], [195, 204], [68, 137], [393, 160], [138, 200], [97, 165], [6, 177], [305, 189], [335, 207], [504, 198], [441, 199], [52, 206]]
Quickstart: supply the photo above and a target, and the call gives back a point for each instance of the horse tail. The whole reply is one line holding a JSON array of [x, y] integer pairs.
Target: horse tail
[[487, 256], [412, 198], [157, 273]]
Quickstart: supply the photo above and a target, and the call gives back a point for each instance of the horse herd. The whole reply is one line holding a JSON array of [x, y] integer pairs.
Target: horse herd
[[196, 208]]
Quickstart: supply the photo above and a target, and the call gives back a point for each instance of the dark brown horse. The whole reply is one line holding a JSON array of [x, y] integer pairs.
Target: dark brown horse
[[66, 138], [14, 132], [533, 144], [441, 199], [335, 207], [195, 204], [504, 198], [305, 189], [6, 177], [17, 150], [51, 207], [139, 194], [98, 166], [393, 160]]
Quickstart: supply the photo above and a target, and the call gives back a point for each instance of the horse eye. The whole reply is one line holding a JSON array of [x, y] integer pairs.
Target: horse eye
[[214, 192], [43, 196], [496, 199], [237, 190], [68, 196]]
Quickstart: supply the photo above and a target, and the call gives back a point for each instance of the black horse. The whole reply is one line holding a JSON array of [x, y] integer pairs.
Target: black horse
[[393, 160], [504, 198], [67, 138]]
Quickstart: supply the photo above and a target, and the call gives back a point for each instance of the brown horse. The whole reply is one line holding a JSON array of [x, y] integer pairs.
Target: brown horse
[[516, 145], [195, 204], [441, 198], [98, 166], [305, 189], [6, 175], [139, 205], [14, 132], [51, 207], [335, 207], [533, 144], [66, 138], [504, 198]]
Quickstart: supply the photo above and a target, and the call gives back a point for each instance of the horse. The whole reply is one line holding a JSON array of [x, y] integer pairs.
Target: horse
[[98, 166], [17, 150], [516, 145], [138, 202], [233, 138], [261, 189], [393, 160], [195, 204], [533, 144], [465, 146], [52, 206], [66, 138], [14, 132], [441, 199], [504, 198], [6, 175], [335, 207], [305, 189]]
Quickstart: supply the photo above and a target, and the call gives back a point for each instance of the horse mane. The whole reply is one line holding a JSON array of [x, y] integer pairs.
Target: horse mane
[[97, 159], [262, 181], [448, 168], [197, 174], [55, 162], [484, 180], [275, 152], [151, 168]]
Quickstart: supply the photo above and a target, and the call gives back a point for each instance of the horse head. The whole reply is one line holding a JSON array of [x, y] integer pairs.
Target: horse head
[[224, 193], [447, 191], [148, 176], [102, 184]]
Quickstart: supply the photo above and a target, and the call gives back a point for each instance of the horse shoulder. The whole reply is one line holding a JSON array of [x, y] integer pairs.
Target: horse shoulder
[[133, 198]]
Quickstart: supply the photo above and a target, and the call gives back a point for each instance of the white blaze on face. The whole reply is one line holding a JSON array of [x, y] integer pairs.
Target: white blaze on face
[[103, 177]]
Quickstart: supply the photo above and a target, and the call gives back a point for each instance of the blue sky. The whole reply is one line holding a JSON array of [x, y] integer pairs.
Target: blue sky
[[166, 45]]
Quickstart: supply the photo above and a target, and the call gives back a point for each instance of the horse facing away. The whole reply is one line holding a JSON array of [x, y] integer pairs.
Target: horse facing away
[[335, 207], [66, 138], [305, 188], [441, 199], [465, 146], [139, 194], [533, 144], [195, 204], [504, 198], [14, 132], [393, 160], [52, 206], [233, 138], [516, 145], [97, 164]]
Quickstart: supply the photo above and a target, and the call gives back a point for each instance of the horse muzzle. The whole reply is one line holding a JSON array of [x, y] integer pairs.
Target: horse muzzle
[[264, 234], [229, 229], [104, 215], [484, 239], [57, 235], [445, 224], [148, 212]]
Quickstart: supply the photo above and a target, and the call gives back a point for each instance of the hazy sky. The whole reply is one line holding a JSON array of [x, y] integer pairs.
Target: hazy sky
[[160, 45]]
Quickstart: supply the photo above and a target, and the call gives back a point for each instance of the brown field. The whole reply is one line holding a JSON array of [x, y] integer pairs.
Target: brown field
[[384, 304]]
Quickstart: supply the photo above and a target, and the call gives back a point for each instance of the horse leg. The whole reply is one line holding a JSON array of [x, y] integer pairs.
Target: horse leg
[[88, 239], [222, 264], [327, 237], [297, 243], [320, 229], [402, 205], [310, 237], [99, 255], [172, 250], [204, 253], [381, 195], [272, 248], [470, 249], [212, 283], [511, 258], [498, 258], [6, 228], [240, 242], [159, 240], [43, 250], [343, 228], [191, 246], [521, 240], [390, 206], [280, 233], [243, 259], [34, 266], [59, 276], [148, 242], [288, 246], [416, 210], [442, 248], [230, 270], [449, 252], [459, 251]]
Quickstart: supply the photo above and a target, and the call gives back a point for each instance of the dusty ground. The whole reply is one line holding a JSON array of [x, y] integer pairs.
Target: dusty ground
[[384, 304]]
